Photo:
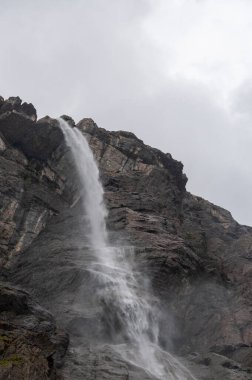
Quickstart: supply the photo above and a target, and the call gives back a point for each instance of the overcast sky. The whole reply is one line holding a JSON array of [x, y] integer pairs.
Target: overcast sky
[[177, 73]]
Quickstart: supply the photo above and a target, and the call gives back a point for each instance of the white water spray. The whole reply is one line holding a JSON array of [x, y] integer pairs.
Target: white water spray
[[130, 316]]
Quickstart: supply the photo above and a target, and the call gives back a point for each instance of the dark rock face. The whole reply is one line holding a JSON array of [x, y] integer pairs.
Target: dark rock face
[[68, 119], [30, 342], [196, 256], [31, 191], [14, 104]]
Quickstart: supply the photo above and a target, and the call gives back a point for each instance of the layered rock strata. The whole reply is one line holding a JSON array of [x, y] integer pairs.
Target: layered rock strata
[[196, 256]]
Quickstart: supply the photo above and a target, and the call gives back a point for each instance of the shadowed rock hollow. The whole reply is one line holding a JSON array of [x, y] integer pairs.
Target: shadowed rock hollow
[[196, 257]]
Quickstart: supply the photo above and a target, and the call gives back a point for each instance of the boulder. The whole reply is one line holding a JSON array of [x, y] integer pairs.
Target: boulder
[[36, 140], [15, 104]]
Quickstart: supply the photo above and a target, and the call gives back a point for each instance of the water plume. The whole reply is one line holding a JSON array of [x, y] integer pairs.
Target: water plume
[[129, 312]]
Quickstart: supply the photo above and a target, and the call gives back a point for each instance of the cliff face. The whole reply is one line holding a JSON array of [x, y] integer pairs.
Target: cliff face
[[198, 256], [198, 259]]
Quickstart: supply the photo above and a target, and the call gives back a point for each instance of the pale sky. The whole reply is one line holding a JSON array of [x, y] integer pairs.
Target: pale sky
[[177, 73]]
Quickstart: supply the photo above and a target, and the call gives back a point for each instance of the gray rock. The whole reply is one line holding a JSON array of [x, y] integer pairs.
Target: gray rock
[[29, 339], [197, 258], [69, 120], [14, 104]]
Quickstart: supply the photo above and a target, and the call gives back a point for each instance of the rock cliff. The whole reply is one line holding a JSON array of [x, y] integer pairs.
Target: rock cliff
[[195, 255]]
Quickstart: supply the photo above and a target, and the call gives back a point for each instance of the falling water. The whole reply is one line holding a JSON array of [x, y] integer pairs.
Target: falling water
[[130, 316]]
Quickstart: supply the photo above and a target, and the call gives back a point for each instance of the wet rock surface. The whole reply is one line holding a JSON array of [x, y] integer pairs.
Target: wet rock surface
[[31, 346], [197, 255], [197, 258]]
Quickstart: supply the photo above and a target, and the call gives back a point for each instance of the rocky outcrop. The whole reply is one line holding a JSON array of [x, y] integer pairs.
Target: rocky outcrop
[[189, 245], [30, 193], [30, 345], [198, 259], [14, 104], [197, 255]]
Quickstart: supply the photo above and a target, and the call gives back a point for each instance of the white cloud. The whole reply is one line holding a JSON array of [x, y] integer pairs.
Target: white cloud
[[174, 72], [210, 40]]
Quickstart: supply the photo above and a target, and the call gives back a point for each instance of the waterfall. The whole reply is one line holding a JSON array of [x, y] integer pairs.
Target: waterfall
[[130, 315]]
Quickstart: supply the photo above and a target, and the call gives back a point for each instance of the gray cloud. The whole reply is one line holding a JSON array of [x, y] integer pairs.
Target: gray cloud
[[93, 58], [242, 99]]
